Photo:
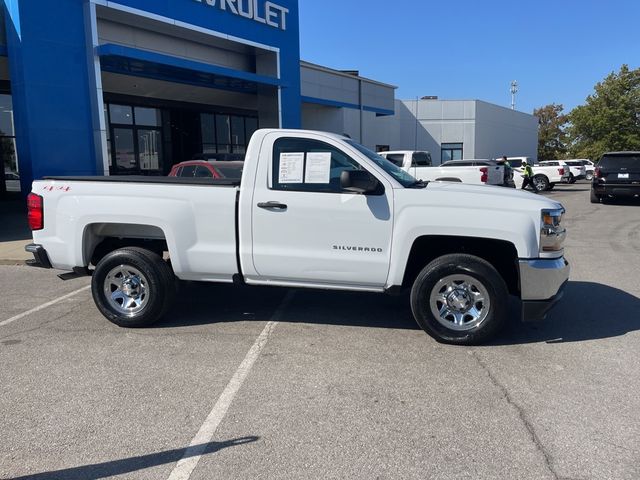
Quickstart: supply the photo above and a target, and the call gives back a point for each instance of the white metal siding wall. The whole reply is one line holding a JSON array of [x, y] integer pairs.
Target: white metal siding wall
[[325, 119], [327, 86], [485, 130], [501, 131]]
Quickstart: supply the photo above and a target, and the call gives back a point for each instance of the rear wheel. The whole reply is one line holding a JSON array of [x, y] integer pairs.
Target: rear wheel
[[595, 198], [133, 287], [550, 187], [589, 176], [541, 183], [459, 299], [572, 179]]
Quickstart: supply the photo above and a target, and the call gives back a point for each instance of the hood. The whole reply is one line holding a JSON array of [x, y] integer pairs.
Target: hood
[[479, 196]]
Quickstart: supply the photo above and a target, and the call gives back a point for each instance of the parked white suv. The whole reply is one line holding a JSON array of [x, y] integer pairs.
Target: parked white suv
[[589, 166], [418, 164], [577, 171], [545, 177]]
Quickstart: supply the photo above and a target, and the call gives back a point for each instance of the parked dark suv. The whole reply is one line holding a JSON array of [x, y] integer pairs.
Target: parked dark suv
[[617, 174]]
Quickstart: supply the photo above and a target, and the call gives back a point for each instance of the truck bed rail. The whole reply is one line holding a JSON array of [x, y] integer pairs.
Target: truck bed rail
[[224, 182]]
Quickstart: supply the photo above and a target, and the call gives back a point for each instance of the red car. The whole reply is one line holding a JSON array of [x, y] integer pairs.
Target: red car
[[208, 169]]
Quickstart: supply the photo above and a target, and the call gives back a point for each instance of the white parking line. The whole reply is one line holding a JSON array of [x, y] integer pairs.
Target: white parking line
[[43, 306], [198, 445]]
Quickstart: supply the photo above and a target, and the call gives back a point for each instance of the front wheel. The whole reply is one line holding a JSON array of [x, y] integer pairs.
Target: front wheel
[[459, 299], [133, 287], [589, 176]]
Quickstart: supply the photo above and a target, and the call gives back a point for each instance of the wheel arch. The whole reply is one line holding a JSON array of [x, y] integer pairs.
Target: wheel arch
[[100, 239], [502, 254]]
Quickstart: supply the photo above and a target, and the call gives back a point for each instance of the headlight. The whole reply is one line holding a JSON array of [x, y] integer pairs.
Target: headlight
[[552, 235]]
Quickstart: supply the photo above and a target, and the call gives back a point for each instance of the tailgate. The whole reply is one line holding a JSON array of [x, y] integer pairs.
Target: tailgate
[[496, 175], [620, 168], [621, 176]]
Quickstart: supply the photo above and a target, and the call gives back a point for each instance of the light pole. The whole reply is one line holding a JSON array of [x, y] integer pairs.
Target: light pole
[[514, 90]]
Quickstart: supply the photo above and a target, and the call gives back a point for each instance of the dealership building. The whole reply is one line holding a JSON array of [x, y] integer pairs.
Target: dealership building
[[94, 87]]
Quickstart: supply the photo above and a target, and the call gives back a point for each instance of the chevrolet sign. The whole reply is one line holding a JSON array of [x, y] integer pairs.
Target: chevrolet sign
[[272, 14]]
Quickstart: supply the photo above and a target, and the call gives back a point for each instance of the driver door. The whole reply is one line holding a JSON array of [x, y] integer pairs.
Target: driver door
[[306, 229]]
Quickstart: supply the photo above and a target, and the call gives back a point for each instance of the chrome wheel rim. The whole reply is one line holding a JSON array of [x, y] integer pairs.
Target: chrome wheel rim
[[460, 302], [126, 290], [539, 183]]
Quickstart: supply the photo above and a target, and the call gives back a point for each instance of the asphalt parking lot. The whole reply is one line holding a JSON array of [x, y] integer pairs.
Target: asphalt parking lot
[[272, 383]]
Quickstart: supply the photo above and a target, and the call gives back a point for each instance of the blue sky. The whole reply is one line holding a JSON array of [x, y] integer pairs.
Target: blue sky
[[556, 50]]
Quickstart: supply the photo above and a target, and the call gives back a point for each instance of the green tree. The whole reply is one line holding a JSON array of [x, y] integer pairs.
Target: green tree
[[552, 135], [610, 118]]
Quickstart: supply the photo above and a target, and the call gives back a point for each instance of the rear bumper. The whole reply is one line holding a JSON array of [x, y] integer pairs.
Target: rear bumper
[[617, 189], [40, 257], [541, 285]]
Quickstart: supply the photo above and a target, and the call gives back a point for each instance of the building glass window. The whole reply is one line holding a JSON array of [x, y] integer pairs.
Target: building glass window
[[135, 139], [149, 117], [208, 131], [123, 149], [226, 133], [451, 151], [8, 145], [223, 133], [107, 122], [149, 149], [237, 135], [121, 114], [251, 125]]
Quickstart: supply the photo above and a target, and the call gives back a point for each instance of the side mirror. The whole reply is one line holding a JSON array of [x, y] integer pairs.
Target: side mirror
[[360, 181]]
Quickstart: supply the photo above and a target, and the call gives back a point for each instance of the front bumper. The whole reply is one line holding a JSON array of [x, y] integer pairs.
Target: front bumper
[[40, 257], [541, 286]]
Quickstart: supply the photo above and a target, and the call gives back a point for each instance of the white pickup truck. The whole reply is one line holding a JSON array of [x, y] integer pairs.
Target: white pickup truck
[[312, 210], [545, 177], [477, 172]]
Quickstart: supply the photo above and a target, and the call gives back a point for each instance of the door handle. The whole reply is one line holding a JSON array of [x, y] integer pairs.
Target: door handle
[[272, 206]]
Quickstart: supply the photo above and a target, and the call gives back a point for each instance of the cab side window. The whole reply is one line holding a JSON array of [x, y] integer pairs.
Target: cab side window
[[304, 165], [203, 172], [396, 158], [188, 171], [421, 159]]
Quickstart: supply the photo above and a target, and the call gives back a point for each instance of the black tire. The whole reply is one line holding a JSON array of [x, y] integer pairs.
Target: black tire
[[550, 187], [454, 266], [540, 183], [595, 198], [155, 279], [572, 179]]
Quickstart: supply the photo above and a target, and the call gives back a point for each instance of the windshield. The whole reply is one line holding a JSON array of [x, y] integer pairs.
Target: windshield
[[402, 177]]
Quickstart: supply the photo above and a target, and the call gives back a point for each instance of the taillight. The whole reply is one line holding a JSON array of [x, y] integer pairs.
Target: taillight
[[35, 209], [561, 171], [597, 172], [485, 174]]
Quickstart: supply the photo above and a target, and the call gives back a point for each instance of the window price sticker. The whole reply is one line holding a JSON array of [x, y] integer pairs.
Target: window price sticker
[[291, 167], [318, 167]]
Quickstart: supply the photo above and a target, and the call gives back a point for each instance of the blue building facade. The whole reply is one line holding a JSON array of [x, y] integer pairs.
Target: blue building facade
[[134, 86]]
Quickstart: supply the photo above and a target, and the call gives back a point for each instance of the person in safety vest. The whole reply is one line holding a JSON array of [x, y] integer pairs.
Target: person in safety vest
[[528, 177]]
